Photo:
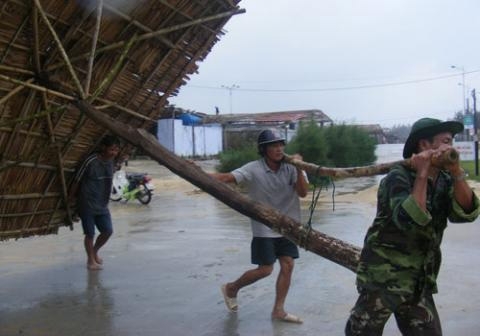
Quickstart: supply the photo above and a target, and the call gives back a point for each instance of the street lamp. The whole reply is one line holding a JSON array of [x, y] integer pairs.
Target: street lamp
[[230, 90], [463, 85], [475, 136]]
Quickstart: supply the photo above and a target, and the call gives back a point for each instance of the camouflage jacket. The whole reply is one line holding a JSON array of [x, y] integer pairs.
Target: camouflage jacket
[[401, 253]]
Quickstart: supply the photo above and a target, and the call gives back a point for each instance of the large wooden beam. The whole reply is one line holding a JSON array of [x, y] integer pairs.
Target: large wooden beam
[[336, 250]]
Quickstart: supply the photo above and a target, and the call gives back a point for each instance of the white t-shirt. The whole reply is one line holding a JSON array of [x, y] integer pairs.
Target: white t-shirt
[[275, 189]]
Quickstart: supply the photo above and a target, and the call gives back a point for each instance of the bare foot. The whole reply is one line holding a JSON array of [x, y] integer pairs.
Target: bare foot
[[94, 267]]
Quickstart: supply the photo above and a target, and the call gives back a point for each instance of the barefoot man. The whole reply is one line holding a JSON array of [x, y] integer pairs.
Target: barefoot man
[[92, 187]]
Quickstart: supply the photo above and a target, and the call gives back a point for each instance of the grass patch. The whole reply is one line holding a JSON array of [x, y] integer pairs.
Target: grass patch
[[469, 167]]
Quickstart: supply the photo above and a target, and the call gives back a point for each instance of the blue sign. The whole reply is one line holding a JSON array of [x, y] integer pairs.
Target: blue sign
[[468, 121]]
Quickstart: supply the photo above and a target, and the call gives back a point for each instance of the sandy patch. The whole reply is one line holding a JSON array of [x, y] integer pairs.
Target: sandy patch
[[175, 183]]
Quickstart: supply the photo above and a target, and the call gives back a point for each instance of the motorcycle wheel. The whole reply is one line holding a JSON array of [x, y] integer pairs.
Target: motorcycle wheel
[[115, 195], [144, 195]]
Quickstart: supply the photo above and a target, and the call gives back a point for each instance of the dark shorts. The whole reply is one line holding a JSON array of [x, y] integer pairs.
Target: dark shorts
[[265, 251], [102, 222]]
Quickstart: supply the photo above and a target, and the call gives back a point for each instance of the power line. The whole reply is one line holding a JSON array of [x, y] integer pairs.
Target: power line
[[345, 88]]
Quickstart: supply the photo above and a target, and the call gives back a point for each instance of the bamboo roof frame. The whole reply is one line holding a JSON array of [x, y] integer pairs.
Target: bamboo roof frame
[[124, 58]]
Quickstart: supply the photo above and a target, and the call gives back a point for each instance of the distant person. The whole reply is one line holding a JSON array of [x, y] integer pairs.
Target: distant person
[[92, 187], [275, 183], [401, 257]]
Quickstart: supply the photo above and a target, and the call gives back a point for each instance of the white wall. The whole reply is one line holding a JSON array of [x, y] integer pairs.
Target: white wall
[[183, 139], [165, 133], [201, 140], [208, 139]]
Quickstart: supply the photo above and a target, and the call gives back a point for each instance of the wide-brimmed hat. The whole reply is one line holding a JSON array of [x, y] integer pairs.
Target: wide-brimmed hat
[[425, 128]]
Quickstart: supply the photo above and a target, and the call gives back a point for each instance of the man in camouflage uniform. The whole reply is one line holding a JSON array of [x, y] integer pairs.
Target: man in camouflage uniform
[[401, 256]]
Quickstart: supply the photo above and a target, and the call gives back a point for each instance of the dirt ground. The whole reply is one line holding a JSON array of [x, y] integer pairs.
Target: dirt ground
[[166, 262]]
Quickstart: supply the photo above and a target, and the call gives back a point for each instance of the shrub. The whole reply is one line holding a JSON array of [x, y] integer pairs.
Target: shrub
[[349, 146], [310, 143], [235, 158]]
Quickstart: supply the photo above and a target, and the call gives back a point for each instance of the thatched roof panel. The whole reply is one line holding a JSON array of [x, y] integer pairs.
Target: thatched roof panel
[[126, 58]]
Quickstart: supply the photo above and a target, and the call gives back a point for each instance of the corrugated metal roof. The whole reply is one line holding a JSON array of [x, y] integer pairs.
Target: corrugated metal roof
[[269, 117]]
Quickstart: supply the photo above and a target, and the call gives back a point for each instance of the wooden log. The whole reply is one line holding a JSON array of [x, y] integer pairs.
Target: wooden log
[[448, 157], [336, 250]]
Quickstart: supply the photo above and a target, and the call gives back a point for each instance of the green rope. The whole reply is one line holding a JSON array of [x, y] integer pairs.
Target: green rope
[[307, 227]]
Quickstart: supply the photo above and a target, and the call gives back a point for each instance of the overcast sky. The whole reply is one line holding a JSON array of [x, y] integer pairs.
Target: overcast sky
[[385, 62]]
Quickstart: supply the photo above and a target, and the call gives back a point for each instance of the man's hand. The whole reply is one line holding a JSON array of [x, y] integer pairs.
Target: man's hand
[[421, 162], [453, 167]]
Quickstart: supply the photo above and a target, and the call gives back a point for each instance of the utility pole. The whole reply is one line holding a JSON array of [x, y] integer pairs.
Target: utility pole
[[461, 68], [475, 137], [230, 89], [463, 85]]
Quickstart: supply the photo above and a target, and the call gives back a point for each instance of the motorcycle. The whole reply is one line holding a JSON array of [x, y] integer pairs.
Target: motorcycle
[[131, 186]]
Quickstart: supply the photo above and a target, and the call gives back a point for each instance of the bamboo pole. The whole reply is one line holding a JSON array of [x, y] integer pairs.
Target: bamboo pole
[[4, 235], [36, 87], [38, 115], [61, 49], [108, 104], [17, 70], [114, 70], [94, 46], [138, 24], [13, 92], [28, 84], [30, 196], [51, 132], [450, 156], [14, 37], [8, 164], [36, 40]]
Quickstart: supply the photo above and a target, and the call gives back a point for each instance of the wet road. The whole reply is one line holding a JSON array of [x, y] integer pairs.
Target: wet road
[[166, 262]]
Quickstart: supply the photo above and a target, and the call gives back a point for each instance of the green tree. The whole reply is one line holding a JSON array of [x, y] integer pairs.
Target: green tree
[[363, 147], [235, 158], [349, 146], [310, 143]]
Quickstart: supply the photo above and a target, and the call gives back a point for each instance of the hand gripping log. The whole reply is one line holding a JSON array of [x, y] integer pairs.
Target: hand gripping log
[[450, 156]]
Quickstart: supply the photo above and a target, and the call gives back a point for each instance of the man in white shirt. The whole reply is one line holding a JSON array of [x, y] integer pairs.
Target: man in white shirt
[[273, 182]]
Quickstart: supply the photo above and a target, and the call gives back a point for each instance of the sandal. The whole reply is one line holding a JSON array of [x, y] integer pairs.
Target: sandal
[[230, 302]]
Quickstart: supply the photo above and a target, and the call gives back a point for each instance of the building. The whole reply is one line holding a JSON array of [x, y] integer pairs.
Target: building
[[240, 128]]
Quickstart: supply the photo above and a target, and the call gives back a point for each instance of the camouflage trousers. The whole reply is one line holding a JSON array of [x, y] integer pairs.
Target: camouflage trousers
[[373, 309]]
